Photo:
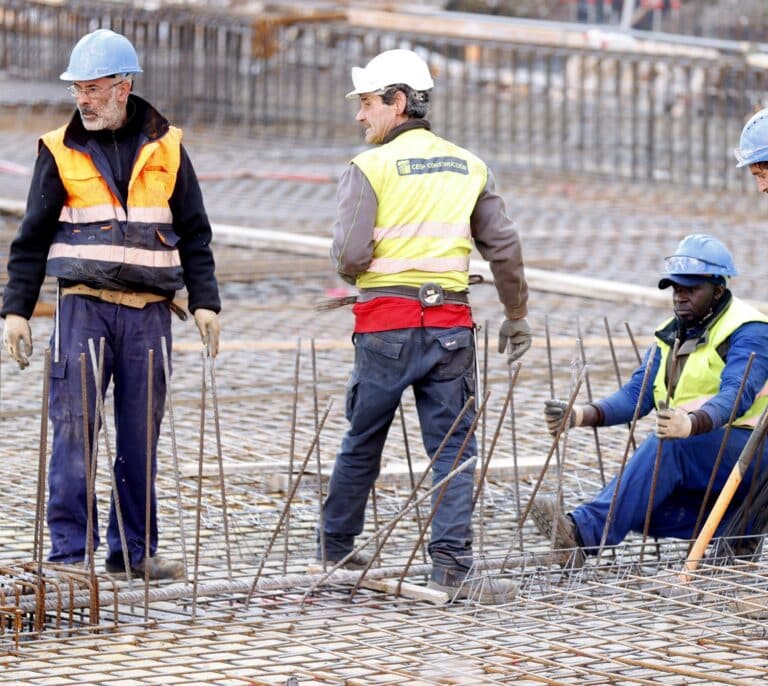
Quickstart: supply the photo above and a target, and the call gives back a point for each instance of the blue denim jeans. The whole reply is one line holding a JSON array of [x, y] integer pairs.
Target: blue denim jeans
[[439, 365], [128, 335], [684, 472]]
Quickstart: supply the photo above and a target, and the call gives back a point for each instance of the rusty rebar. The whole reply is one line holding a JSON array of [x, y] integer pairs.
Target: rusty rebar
[[42, 454]]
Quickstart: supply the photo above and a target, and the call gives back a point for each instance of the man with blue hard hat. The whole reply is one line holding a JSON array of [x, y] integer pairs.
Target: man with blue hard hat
[[693, 395], [753, 148], [115, 213]]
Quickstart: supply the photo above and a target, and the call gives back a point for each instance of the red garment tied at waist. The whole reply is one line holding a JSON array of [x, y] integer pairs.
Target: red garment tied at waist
[[388, 313]]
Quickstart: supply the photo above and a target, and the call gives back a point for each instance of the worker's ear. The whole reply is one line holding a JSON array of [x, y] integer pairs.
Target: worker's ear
[[718, 292], [401, 102]]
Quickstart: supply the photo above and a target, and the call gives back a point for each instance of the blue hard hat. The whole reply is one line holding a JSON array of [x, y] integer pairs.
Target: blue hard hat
[[699, 257], [101, 53], [753, 144]]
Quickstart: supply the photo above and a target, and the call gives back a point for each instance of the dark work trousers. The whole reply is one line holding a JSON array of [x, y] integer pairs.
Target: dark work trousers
[[128, 335], [439, 365], [684, 471]]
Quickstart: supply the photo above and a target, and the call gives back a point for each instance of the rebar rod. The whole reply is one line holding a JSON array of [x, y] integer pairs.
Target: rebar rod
[[199, 494], [291, 448], [96, 363], [441, 493], [671, 384], [486, 463], [318, 460], [220, 461], [511, 382], [634, 343], [588, 384], [411, 478], [42, 457], [288, 499], [174, 451], [89, 485], [483, 458], [390, 525], [615, 362], [148, 477], [633, 423], [721, 450], [415, 489], [555, 442]]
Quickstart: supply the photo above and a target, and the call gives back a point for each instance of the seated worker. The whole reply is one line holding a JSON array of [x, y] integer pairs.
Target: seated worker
[[717, 333]]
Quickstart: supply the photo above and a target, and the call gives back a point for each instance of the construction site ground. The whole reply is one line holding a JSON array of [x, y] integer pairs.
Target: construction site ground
[[247, 617]]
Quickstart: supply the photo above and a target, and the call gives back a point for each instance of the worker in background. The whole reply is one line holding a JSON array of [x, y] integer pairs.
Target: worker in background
[[753, 149], [410, 210], [753, 154], [115, 214], [693, 396]]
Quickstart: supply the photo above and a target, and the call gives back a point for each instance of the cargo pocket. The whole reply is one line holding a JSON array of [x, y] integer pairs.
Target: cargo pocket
[[458, 354], [389, 346], [65, 402]]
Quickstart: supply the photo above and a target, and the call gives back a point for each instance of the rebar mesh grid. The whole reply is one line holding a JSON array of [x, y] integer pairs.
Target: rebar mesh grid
[[612, 622]]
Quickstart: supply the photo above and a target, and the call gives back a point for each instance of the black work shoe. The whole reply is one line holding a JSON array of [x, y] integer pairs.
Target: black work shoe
[[356, 562], [547, 516], [489, 590], [159, 568]]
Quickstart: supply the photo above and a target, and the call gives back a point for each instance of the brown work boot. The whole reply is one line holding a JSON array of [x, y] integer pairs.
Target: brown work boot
[[159, 568], [547, 516], [356, 562], [487, 589], [459, 585]]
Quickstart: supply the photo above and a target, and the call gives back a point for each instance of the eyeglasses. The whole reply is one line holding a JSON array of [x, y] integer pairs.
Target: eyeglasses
[[92, 90], [682, 264]]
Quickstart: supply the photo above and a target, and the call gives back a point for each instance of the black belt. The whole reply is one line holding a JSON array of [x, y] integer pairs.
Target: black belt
[[413, 293]]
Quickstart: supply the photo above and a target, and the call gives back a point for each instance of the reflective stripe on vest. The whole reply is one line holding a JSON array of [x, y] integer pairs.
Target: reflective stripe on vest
[[700, 378], [99, 242], [426, 189]]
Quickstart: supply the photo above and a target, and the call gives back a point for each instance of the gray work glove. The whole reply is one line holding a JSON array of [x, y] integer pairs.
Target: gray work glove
[[672, 422], [210, 329], [514, 337], [554, 411], [17, 338]]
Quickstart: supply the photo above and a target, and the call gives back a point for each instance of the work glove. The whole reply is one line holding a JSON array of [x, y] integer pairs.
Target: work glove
[[554, 411], [514, 337], [17, 338], [673, 423], [210, 328]]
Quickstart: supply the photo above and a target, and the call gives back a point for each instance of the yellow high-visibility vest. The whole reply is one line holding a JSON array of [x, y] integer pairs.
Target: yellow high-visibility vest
[[700, 378], [426, 189]]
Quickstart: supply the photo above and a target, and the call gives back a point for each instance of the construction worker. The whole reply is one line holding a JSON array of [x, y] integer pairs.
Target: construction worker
[[115, 213], [753, 149], [693, 394], [410, 210]]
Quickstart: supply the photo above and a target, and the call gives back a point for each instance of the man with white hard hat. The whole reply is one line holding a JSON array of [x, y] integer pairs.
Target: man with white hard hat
[[115, 214], [410, 211]]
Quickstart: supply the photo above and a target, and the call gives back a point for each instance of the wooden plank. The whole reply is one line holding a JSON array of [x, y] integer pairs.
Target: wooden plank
[[407, 590]]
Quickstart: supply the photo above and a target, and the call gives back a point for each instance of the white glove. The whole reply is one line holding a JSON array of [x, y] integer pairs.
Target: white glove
[[673, 423], [17, 338], [554, 411], [210, 328], [514, 337]]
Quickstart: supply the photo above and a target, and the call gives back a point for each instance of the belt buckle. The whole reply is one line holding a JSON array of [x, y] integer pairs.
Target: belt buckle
[[431, 294]]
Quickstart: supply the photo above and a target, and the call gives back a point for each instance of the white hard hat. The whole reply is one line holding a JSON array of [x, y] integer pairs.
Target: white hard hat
[[388, 68]]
